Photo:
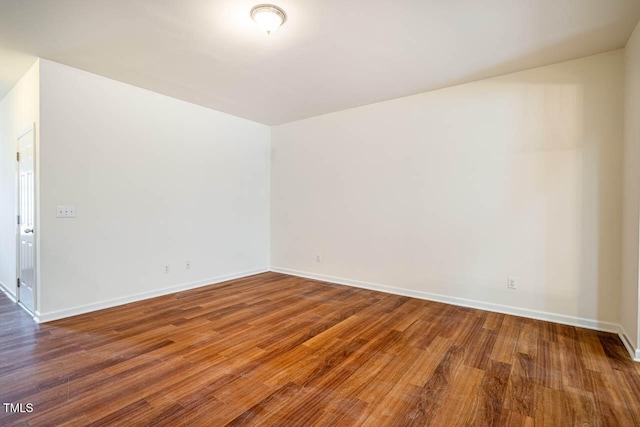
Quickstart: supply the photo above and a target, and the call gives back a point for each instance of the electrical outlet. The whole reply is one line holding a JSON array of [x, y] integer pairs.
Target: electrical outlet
[[511, 282], [318, 258], [187, 265], [167, 269]]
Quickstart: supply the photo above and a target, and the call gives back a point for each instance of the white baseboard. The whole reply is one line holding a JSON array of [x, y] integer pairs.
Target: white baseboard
[[581, 322], [61, 314], [7, 292]]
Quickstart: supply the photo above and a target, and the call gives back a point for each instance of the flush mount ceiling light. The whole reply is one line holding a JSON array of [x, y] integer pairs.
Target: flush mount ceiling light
[[268, 17]]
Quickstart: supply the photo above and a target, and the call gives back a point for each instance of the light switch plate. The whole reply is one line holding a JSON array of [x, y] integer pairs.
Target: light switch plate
[[65, 211]]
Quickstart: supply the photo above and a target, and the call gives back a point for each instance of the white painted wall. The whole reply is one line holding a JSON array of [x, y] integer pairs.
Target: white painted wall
[[18, 110], [631, 214], [451, 191], [154, 181], [447, 192]]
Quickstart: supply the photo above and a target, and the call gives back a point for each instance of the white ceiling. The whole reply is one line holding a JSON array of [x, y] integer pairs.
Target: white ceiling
[[329, 56]]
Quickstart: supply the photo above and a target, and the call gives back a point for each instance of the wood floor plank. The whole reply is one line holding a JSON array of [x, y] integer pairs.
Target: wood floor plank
[[258, 413], [463, 398], [610, 402], [493, 387], [582, 407], [550, 407], [528, 337], [427, 360], [419, 405], [493, 322], [548, 368], [622, 382], [593, 355], [521, 391], [273, 349], [504, 348]]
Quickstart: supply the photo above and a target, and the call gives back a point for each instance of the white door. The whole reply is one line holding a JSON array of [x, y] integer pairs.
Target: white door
[[26, 200]]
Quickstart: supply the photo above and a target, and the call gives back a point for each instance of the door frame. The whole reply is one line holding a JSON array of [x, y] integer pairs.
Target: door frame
[[36, 234]]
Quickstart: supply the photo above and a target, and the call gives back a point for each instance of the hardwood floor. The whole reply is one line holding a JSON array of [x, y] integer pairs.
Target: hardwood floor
[[273, 349]]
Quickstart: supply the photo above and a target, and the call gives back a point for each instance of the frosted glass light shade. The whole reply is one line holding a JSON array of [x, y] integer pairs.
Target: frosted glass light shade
[[268, 17]]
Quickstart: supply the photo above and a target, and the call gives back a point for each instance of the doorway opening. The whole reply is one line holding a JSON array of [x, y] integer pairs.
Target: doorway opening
[[26, 242]]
